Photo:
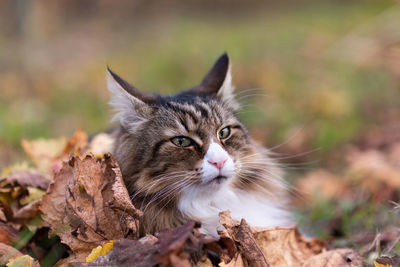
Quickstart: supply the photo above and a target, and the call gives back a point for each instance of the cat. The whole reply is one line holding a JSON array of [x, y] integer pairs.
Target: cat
[[188, 157]]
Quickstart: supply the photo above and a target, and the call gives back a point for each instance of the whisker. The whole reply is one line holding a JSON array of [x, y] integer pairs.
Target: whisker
[[182, 188], [166, 190], [289, 139]]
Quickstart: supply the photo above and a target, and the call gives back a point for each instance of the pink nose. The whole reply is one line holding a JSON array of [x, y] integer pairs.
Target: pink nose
[[219, 164]]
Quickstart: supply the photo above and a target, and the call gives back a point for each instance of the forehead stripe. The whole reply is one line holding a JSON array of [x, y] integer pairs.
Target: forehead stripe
[[179, 108], [192, 115], [203, 111], [182, 121]]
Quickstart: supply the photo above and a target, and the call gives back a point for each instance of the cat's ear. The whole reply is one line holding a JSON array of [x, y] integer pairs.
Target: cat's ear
[[131, 106], [218, 81]]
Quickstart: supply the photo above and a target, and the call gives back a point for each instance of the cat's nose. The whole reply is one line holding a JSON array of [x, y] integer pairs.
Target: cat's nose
[[218, 163]]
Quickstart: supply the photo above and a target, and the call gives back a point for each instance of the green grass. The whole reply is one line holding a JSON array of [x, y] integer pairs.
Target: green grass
[[270, 51]]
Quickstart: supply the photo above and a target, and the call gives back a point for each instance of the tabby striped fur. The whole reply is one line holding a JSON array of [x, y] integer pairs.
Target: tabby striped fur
[[168, 182]]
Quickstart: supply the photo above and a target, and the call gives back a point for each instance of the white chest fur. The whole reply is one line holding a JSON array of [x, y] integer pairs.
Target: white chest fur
[[257, 210]]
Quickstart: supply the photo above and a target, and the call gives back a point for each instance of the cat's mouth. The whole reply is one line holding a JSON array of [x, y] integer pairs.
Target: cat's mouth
[[219, 179]]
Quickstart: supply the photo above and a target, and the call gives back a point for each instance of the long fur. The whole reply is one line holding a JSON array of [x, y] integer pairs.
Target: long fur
[[174, 184]]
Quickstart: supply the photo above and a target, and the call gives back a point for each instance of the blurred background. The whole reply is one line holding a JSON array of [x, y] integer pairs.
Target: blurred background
[[320, 80]]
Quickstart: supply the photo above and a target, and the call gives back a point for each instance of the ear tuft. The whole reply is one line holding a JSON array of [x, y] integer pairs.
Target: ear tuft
[[216, 76], [218, 81], [127, 101]]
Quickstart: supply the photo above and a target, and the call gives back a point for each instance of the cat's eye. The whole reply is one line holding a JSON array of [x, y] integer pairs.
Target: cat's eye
[[182, 141], [224, 133]]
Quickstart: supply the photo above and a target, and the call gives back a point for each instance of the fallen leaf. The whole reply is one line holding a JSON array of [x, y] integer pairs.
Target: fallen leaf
[[373, 171], [8, 234], [32, 178], [100, 251], [34, 194], [88, 204], [205, 262], [101, 144], [337, 257], [235, 262], [322, 184], [171, 248], [384, 261], [7, 252], [76, 144], [20, 193], [22, 261], [27, 212], [243, 237], [48, 154], [15, 167], [43, 151], [272, 246], [2, 215]]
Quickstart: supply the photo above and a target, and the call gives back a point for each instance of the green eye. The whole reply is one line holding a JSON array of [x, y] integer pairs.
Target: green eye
[[224, 133], [182, 141]]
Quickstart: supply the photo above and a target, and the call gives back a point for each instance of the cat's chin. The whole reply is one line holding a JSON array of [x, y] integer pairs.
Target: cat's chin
[[216, 183], [219, 179]]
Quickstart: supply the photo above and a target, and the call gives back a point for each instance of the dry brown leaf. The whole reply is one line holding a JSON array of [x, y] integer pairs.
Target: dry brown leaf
[[20, 193], [8, 234], [7, 252], [286, 246], [171, 248], [235, 262], [48, 154], [337, 257], [323, 184], [243, 237], [88, 204], [373, 171], [279, 246], [43, 151], [387, 261], [21, 166], [2, 215], [27, 212], [77, 144], [33, 178], [101, 144]]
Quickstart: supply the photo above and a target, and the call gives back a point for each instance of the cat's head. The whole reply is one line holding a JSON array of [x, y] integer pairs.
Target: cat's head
[[194, 139]]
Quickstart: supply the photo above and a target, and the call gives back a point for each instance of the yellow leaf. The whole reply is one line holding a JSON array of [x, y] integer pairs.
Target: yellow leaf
[[22, 261], [100, 251], [15, 167], [101, 144], [376, 264], [34, 194], [43, 151]]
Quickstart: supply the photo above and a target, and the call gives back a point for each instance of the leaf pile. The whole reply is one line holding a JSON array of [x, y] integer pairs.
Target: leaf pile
[[88, 206]]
